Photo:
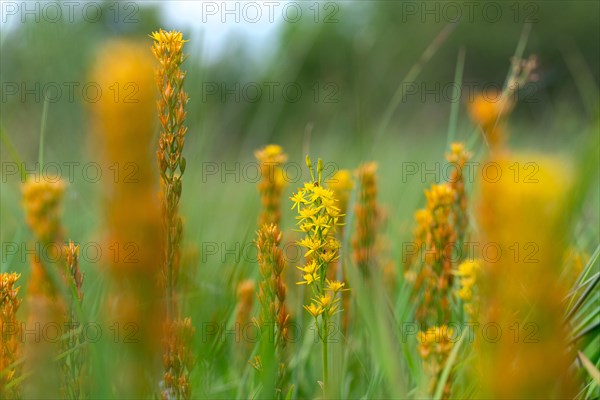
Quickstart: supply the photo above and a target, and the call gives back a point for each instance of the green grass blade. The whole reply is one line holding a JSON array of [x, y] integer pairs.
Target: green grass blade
[[448, 367], [14, 154], [43, 132], [590, 367], [412, 74], [458, 77]]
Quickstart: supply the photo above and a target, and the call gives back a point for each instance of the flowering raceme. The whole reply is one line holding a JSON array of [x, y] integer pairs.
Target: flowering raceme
[[42, 202], [368, 219], [525, 215], [341, 183], [168, 50], [318, 217], [434, 346], [125, 129], [274, 317], [458, 158], [468, 273], [431, 266], [246, 293], [10, 328], [73, 365], [270, 159], [272, 289]]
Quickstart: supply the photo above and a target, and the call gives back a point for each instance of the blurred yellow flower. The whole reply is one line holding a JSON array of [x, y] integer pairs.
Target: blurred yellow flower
[[271, 159], [525, 215]]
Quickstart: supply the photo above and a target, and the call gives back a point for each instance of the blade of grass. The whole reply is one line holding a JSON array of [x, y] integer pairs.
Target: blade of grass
[[43, 132], [412, 74], [582, 76], [14, 154], [458, 77], [582, 299], [585, 332], [590, 367], [448, 367], [583, 277]]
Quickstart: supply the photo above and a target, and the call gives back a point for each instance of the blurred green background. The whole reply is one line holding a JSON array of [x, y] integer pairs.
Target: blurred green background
[[362, 50], [349, 59]]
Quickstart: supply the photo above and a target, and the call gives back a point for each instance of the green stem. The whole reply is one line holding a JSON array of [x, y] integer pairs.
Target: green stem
[[325, 361]]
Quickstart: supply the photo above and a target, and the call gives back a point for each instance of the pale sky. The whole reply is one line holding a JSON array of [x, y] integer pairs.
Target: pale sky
[[257, 22]]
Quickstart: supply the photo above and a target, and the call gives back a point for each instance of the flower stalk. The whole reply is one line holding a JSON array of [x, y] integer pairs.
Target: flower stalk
[[168, 50], [178, 359], [318, 218]]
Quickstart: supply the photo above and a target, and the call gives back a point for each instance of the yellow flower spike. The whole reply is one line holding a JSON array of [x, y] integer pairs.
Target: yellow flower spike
[[431, 267], [10, 352], [513, 213], [318, 219], [168, 50], [42, 200], [341, 184], [271, 159], [272, 288], [368, 221], [124, 132]]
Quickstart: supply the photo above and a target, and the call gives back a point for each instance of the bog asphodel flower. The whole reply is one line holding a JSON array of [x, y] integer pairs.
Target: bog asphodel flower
[[125, 130], [423, 222], [458, 157], [368, 219], [271, 159], [168, 50], [526, 216], [468, 273], [272, 290], [318, 218], [73, 364], [178, 359], [42, 199], [10, 328], [435, 273], [435, 345], [246, 291], [342, 184], [430, 268], [42, 202], [245, 294]]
